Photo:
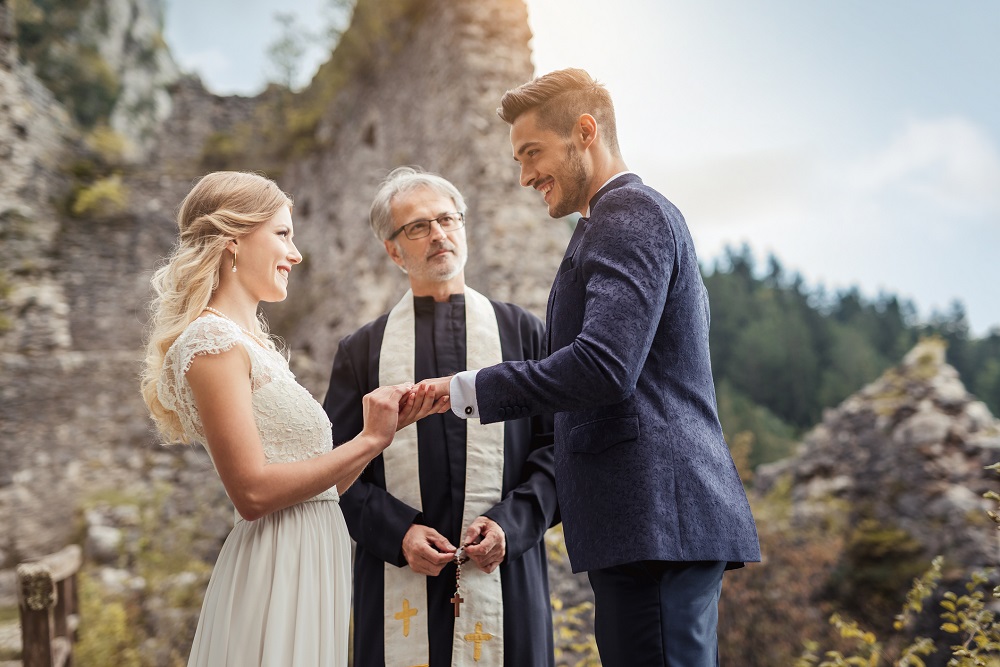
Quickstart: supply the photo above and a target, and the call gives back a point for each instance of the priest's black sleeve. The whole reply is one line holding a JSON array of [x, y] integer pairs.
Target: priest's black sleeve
[[528, 510], [529, 505], [376, 520]]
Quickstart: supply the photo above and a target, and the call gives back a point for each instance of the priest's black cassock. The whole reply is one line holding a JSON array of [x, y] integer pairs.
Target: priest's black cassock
[[377, 521]]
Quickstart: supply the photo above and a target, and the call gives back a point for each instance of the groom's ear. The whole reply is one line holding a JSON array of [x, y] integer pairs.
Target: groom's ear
[[585, 130]]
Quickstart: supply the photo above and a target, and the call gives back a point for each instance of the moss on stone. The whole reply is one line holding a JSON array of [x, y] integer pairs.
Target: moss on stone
[[103, 198], [285, 125]]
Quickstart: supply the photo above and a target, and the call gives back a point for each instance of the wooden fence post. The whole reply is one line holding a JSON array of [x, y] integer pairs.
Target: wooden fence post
[[46, 595]]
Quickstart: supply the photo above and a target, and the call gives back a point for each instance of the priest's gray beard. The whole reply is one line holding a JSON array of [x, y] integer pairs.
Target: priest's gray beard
[[421, 269]]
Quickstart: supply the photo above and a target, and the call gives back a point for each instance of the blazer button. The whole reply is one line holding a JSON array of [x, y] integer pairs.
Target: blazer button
[[468, 409]]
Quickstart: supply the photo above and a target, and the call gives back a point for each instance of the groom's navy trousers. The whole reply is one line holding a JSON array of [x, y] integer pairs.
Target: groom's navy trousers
[[658, 613]]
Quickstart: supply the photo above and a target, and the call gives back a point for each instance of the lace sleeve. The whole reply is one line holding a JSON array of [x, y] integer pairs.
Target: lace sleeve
[[206, 335]]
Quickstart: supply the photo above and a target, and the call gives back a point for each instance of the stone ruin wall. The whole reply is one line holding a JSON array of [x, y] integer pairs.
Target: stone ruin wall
[[443, 118], [71, 419]]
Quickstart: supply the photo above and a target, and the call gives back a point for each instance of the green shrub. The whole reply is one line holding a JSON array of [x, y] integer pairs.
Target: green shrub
[[106, 634], [48, 37], [107, 145], [969, 627], [574, 642], [878, 564], [104, 197]]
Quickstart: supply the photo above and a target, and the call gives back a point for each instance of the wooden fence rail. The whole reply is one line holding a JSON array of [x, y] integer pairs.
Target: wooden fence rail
[[47, 598]]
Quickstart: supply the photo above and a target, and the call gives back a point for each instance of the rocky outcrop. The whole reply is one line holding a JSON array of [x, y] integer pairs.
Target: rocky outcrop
[[128, 36], [36, 136], [907, 451], [134, 45]]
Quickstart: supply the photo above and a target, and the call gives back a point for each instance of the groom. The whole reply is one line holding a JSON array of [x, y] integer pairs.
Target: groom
[[652, 506]]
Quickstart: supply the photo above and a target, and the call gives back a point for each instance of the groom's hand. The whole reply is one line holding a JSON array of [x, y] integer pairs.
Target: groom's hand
[[487, 543], [417, 403], [426, 550], [440, 386]]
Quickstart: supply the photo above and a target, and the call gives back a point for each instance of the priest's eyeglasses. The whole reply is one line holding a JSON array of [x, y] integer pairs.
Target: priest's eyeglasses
[[418, 229]]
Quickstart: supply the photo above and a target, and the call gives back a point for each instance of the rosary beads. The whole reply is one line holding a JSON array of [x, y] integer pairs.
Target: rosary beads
[[460, 558]]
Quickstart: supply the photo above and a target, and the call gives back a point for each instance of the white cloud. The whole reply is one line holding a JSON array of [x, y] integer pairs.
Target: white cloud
[[951, 164], [915, 215]]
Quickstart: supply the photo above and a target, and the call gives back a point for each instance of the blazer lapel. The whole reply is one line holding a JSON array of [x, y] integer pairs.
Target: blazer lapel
[[574, 243]]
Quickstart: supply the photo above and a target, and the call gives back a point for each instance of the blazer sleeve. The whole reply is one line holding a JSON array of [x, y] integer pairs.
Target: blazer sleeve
[[376, 520], [627, 260], [531, 508]]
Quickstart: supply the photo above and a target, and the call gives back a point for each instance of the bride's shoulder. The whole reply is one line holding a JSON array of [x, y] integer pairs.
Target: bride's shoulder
[[205, 335]]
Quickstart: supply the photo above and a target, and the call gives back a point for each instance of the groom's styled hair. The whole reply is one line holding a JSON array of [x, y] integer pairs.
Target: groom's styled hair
[[560, 98]]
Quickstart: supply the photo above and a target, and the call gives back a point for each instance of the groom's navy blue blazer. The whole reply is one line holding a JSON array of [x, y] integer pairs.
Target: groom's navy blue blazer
[[642, 469]]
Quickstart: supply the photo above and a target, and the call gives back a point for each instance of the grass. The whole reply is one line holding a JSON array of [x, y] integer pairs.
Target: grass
[[8, 614]]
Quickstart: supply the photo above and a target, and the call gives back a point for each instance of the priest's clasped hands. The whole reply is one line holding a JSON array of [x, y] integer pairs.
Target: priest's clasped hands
[[428, 551]]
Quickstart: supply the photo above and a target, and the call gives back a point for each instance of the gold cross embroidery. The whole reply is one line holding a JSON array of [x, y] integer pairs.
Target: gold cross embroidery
[[478, 637], [405, 615]]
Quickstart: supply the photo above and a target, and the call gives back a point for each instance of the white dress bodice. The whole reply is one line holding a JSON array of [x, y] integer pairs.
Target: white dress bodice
[[293, 426]]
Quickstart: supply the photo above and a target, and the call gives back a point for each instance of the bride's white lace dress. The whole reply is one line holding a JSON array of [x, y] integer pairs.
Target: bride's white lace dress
[[280, 591]]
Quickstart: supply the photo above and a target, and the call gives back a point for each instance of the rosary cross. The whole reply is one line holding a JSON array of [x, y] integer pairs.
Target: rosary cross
[[457, 599]]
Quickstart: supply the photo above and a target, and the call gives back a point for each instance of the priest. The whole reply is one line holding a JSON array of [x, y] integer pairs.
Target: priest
[[450, 566]]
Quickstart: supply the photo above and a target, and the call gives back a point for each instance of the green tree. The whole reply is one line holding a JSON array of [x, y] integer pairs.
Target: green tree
[[778, 363], [771, 438], [285, 53], [852, 362]]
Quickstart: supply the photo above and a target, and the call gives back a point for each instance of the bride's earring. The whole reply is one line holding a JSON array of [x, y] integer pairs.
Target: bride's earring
[[234, 261]]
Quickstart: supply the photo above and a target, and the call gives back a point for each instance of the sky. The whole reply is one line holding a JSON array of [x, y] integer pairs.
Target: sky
[[856, 140]]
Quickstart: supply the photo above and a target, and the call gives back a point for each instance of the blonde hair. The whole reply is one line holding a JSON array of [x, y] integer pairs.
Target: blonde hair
[[221, 207]]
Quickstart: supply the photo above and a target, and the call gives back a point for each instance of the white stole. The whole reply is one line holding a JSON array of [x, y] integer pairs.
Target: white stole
[[478, 637]]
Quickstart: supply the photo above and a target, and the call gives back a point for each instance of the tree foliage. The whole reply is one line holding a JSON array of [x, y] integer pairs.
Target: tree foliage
[[782, 352], [68, 64]]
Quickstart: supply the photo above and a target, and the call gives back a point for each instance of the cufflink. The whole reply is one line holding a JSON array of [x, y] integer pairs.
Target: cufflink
[[468, 409]]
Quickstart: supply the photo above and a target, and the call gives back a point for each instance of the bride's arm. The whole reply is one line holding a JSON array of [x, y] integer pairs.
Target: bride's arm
[[222, 393]]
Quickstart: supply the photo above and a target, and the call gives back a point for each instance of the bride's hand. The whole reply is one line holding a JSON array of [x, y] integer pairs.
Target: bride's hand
[[381, 412], [417, 403]]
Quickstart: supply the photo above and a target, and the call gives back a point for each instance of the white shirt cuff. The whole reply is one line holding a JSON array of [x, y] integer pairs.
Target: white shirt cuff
[[463, 395]]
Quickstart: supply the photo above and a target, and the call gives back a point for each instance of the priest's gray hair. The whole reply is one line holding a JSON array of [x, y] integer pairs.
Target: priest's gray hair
[[402, 181]]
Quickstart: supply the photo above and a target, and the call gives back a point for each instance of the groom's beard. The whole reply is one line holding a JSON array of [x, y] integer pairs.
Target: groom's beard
[[572, 183]]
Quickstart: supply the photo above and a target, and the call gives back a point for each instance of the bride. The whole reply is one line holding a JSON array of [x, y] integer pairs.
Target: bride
[[280, 590]]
